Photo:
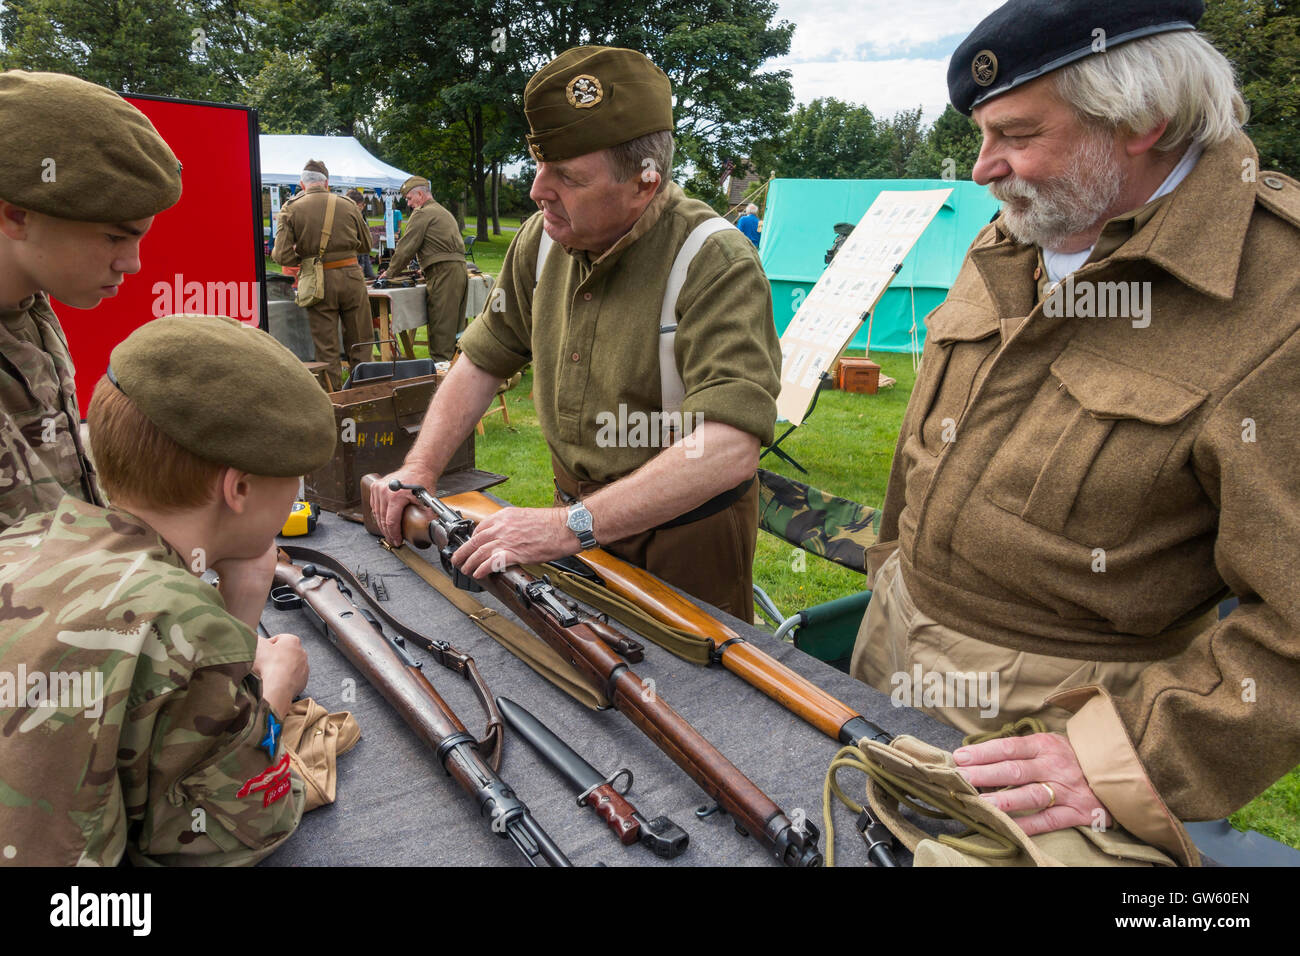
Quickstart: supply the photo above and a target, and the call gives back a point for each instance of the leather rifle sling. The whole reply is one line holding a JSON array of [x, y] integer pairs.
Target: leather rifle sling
[[446, 655], [525, 645]]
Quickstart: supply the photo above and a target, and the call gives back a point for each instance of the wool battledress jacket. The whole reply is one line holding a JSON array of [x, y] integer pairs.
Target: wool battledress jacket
[[1088, 486]]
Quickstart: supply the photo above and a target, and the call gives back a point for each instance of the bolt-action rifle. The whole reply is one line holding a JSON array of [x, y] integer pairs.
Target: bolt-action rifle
[[536, 603], [388, 666]]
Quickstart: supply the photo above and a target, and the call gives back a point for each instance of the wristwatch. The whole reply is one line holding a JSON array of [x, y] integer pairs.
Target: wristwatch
[[579, 522]]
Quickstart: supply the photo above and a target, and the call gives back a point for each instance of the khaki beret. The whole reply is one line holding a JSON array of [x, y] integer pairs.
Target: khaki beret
[[415, 182], [75, 150], [316, 166], [227, 392], [592, 97]]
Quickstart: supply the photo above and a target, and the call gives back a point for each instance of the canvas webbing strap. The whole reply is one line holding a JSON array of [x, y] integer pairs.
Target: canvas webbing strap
[[526, 646], [687, 646], [328, 227]]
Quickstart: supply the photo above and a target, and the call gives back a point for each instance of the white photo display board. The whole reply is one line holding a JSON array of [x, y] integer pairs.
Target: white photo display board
[[848, 290]]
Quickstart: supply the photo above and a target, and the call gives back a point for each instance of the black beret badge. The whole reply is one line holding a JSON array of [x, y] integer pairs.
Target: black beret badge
[[584, 91], [984, 68]]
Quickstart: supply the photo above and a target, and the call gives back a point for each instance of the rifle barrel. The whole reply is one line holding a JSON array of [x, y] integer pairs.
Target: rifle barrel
[[414, 698]]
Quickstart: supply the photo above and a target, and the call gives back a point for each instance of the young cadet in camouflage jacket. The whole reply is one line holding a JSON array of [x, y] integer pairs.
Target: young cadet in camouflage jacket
[[139, 711], [84, 174]]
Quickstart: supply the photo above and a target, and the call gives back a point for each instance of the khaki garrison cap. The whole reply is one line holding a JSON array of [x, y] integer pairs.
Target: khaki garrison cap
[[592, 97], [415, 182], [316, 166], [74, 150], [227, 392]]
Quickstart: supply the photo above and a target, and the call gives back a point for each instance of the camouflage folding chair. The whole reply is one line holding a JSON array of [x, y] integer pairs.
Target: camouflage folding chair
[[830, 527]]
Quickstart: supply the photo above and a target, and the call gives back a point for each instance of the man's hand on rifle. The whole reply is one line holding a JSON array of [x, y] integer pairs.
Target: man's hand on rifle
[[388, 505], [516, 536], [1043, 775]]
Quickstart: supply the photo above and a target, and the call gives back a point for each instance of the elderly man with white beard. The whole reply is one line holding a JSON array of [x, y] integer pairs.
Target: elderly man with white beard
[[1100, 444]]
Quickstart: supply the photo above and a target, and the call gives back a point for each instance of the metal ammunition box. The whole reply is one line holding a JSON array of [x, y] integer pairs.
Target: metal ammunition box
[[377, 424]]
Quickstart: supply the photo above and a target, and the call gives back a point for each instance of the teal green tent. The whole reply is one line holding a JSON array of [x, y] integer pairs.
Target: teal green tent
[[798, 228]]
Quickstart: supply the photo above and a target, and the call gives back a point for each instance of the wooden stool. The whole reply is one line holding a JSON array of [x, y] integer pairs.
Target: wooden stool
[[319, 369]]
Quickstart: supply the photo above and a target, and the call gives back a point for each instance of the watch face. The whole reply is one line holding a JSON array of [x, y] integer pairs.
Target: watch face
[[579, 520]]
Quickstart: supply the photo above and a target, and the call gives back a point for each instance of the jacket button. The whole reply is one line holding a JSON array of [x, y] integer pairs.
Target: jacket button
[[1272, 182], [575, 356], [587, 295]]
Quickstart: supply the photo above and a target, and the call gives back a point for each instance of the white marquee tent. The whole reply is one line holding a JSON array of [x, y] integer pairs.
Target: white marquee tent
[[283, 158]]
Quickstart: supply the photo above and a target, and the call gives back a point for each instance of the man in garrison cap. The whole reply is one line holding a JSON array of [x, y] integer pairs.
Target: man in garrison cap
[[159, 706], [1100, 446], [432, 237], [84, 174], [653, 396], [299, 231]]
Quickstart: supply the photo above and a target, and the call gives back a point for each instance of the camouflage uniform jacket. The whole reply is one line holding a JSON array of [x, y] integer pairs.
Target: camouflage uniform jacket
[[41, 455], [152, 741]]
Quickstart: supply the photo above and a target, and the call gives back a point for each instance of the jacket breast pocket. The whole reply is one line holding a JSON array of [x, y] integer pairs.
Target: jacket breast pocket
[[1084, 457]]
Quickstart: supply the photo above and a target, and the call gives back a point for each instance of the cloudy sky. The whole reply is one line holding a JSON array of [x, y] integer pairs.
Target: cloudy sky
[[886, 55]]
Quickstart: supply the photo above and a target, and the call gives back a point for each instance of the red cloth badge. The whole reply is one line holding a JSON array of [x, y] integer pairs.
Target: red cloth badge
[[274, 780]]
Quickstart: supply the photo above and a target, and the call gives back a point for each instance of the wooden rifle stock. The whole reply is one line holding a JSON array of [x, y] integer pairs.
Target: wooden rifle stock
[[535, 602], [751, 664], [402, 682]]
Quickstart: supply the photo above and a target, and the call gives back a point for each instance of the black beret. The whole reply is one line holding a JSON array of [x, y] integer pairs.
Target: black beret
[[1025, 39]]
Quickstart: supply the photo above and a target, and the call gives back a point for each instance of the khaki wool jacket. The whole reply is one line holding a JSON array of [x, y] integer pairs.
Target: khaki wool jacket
[[1091, 486], [431, 236]]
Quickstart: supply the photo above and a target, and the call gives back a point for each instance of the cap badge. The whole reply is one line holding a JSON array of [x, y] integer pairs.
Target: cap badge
[[536, 152], [583, 91], [984, 67]]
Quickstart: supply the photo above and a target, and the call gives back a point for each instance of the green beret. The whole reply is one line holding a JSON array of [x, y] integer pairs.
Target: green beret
[[592, 97], [227, 392], [78, 151], [316, 166], [415, 182]]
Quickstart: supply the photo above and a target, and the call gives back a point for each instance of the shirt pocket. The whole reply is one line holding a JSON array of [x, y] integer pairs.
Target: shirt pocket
[[1086, 453]]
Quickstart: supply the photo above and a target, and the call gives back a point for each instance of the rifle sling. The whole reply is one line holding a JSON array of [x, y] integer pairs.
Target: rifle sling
[[526, 646], [683, 644], [489, 745]]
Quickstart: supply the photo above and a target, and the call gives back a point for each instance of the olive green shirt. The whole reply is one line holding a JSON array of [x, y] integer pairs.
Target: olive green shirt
[[595, 344], [432, 236], [302, 220]]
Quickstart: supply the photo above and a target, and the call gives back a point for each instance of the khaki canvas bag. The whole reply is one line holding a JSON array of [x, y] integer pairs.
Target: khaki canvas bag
[[311, 278], [909, 772]]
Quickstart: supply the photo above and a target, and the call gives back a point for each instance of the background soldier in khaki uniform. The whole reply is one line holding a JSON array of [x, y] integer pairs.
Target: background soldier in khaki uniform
[[84, 173], [432, 236], [130, 717], [1078, 484], [601, 123], [298, 235]]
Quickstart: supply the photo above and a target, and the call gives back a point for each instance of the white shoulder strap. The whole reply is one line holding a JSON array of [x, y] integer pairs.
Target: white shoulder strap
[[672, 391], [542, 249]]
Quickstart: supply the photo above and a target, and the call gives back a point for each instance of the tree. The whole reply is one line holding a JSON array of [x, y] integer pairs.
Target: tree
[[133, 46], [830, 139], [290, 96], [1261, 38]]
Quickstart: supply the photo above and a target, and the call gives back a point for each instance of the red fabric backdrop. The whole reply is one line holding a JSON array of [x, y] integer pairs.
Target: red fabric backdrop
[[198, 248]]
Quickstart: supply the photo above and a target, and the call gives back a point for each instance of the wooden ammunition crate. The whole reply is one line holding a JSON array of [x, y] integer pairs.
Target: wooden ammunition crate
[[859, 375], [376, 426]]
